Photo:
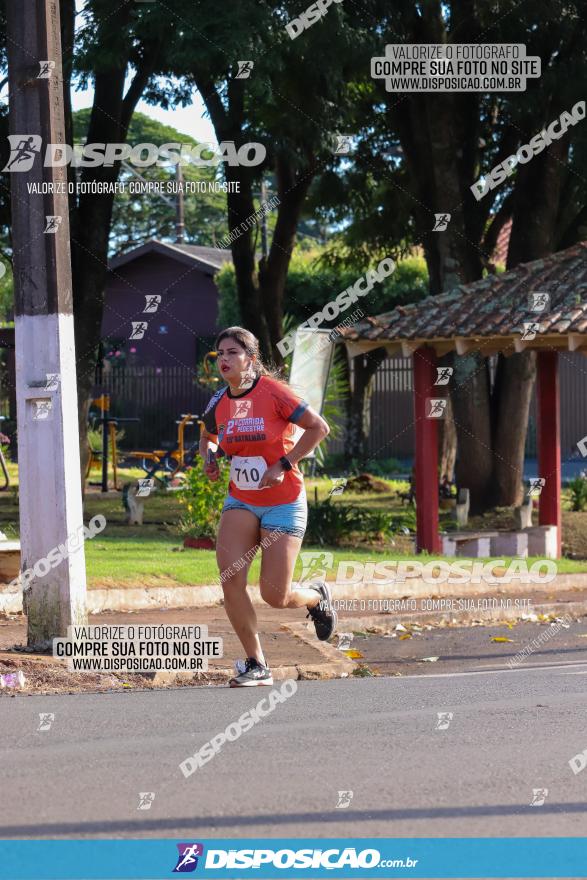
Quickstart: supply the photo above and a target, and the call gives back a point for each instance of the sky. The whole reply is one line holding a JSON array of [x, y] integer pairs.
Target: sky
[[188, 120]]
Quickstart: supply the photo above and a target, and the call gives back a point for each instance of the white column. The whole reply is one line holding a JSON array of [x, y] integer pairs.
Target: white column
[[53, 561]]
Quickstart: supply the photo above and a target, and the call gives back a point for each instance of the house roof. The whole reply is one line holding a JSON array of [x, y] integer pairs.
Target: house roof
[[208, 259], [491, 314]]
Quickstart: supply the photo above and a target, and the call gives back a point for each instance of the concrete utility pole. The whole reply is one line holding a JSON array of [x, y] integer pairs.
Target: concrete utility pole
[[48, 440]]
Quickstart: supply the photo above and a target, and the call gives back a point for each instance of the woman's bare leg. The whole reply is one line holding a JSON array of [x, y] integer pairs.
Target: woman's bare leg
[[277, 567], [238, 533]]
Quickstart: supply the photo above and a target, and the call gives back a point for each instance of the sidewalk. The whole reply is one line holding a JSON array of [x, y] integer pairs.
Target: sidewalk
[[290, 644], [291, 648]]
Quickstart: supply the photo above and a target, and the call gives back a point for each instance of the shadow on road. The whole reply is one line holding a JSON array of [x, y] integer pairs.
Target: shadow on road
[[187, 823]]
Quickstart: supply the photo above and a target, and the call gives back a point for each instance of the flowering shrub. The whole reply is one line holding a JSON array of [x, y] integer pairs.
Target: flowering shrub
[[202, 500]]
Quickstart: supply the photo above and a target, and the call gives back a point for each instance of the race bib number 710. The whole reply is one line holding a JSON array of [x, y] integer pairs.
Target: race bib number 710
[[246, 473]]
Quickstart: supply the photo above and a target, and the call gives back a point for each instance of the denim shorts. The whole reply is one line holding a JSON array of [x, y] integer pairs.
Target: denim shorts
[[290, 518]]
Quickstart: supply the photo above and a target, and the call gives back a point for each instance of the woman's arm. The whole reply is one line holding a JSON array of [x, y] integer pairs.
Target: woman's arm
[[207, 446], [315, 430]]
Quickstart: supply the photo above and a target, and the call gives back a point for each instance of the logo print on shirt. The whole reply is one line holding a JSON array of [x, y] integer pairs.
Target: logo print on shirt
[[241, 409]]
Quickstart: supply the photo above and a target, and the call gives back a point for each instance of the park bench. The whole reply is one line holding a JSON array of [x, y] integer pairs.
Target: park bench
[[538, 541], [475, 544]]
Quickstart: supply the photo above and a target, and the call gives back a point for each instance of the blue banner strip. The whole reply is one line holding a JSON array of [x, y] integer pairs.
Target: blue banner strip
[[293, 857]]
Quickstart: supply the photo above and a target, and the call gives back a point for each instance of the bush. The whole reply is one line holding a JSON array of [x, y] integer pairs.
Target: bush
[[329, 523], [386, 466], [578, 489], [338, 463], [332, 523], [313, 281], [202, 500]]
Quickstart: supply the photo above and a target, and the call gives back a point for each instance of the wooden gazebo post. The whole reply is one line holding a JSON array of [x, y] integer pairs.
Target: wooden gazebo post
[[549, 457], [426, 457]]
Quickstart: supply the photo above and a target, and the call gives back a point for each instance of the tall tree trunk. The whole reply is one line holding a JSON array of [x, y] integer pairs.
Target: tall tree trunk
[[536, 206], [89, 254], [260, 294], [364, 368], [241, 206], [292, 191], [447, 444], [454, 262], [470, 399], [512, 394], [90, 223]]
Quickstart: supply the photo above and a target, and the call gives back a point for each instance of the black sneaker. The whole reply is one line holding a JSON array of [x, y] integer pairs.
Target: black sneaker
[[323, 614], [250, 674]]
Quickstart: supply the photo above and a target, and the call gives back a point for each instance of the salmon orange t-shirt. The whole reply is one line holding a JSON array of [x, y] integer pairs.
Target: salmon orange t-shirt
[[258, 422]]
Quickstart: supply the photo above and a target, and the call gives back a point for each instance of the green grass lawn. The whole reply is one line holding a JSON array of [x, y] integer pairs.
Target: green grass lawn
[[133, 560], [153, 554]]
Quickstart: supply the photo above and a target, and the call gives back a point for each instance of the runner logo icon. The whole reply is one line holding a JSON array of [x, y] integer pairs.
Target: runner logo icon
[[187, 860], [315, 564], [242, 409], [23, 149]]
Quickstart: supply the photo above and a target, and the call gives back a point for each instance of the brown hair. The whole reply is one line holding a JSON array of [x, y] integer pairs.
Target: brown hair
[[250, 343]]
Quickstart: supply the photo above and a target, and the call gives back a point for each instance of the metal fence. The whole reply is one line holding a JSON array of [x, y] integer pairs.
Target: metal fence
[[392, 414], [157, 396]]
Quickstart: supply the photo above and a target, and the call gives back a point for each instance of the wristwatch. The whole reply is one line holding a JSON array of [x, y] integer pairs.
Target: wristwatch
[[286, 463]]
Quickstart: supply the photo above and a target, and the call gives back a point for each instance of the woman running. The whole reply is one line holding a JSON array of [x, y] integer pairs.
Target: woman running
[[252, 420]]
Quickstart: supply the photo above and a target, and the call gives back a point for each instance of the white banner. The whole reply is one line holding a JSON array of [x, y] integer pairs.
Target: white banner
[[310, 367]]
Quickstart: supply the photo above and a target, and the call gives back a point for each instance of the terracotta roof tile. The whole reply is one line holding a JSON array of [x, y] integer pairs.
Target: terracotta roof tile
[[497, 305]]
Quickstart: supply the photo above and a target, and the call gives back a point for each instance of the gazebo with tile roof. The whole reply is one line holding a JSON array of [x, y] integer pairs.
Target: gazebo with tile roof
[[495, 315]]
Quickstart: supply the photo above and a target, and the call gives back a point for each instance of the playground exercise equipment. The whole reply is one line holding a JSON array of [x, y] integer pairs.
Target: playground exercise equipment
[[174, 460], [211, 355], [177, 459], [109, 425]]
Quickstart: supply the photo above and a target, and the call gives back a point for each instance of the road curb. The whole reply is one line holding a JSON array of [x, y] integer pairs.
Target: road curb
[[333, 664], [555, 609], [207, 596]]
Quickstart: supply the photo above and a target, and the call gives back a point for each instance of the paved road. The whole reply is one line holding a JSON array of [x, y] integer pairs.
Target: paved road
[[512, 731], [470, 648]]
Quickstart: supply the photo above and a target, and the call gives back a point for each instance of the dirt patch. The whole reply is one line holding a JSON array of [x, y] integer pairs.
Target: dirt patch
[[143, 580], [46, 676], [366, 483]]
